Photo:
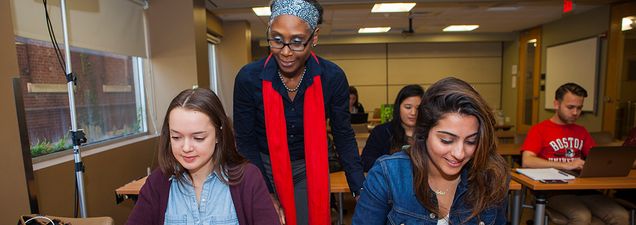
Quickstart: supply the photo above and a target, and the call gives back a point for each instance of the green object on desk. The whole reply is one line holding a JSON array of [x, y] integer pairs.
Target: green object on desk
[[386, 113]]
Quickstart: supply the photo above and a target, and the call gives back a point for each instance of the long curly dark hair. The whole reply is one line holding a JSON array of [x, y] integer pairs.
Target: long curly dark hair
[[487, 170]]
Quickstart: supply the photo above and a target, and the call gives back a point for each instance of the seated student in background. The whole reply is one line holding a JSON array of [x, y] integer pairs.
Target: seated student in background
[[201, 177], [389, 137], [631, 138], [560, 143], [354, 105], [450, 175]]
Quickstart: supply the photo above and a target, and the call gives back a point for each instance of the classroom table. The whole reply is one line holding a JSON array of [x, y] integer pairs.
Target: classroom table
[[515, 191], [337, 180], [338, 185], [361, 139], [129, 190], [628, 182]]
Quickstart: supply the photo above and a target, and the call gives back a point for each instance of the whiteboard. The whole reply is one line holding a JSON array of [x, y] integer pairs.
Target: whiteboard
[[576, 62]]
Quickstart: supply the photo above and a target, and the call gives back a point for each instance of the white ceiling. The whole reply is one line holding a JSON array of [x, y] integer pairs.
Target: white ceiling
[[429, 16]]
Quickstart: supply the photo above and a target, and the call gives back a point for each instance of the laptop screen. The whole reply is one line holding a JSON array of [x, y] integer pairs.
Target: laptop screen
[[608, 161], [359, 118]]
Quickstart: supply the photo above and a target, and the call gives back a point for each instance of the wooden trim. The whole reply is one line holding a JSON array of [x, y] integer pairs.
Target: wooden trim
[[612, 96], [46, 88], [534, 33], [116, 88]]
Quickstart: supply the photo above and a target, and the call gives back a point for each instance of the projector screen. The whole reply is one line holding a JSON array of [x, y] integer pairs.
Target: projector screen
[[576, 62]]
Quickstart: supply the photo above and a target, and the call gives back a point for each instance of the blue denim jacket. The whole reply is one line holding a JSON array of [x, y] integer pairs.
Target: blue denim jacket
[[388, 198]]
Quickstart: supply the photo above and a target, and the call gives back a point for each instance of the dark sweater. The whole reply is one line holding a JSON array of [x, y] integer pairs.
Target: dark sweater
[[250, 197], [378, 144], [249, 114]]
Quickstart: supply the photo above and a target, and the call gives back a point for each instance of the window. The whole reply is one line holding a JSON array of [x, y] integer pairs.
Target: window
[[109, 96], [214, 81]]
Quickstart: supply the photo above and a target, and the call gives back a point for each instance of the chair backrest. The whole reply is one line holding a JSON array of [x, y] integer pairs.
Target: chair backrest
[[520, 138], [360, 128], [602, 137], [376, 113]]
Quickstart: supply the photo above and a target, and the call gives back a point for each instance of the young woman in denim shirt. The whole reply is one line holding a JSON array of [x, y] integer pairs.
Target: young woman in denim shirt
[[452, 173], [201, 178]]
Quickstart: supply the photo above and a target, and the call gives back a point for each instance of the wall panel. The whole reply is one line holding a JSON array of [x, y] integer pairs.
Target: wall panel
[[379, 71], [429, 70], [364, 71], [373, 96]]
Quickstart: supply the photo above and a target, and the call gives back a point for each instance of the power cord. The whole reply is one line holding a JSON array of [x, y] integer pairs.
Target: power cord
[[39, 217]]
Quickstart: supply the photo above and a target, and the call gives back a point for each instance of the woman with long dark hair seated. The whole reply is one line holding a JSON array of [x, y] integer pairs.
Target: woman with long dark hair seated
[[389, 137], [451, 174]]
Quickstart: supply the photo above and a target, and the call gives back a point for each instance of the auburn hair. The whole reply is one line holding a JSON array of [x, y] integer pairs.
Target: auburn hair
[[226, 160]]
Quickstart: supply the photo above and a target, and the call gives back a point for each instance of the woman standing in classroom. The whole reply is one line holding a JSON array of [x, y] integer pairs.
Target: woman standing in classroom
[[281, 105]]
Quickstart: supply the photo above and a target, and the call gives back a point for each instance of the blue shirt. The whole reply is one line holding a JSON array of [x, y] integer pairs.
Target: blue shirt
[[216, 206], [388, 198], [249, 114]]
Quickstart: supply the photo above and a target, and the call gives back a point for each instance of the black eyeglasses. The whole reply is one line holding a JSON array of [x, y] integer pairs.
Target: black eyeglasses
[[293, 45]]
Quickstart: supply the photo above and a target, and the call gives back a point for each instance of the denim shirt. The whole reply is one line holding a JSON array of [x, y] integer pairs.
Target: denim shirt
[[249, 114], [215, 208], [388, 198]]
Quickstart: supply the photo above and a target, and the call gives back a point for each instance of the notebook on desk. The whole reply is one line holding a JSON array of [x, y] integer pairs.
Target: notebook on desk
[[607, 161]]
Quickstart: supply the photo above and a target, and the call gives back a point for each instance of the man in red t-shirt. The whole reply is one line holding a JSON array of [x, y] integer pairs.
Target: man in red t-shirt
[[559, 143]]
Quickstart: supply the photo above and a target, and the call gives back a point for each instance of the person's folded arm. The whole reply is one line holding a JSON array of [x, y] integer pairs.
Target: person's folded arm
[[343, 135], [245, 122]]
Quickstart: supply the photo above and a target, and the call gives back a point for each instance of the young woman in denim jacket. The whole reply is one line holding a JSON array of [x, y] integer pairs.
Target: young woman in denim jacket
[[451, 175]]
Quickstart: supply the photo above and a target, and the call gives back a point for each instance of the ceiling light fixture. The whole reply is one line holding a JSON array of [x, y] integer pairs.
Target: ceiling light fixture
[[367, 30], [262, 11], [392, 7], [456, 28]]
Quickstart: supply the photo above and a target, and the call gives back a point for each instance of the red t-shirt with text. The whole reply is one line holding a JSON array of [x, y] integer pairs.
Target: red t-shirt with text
[[559, 143]]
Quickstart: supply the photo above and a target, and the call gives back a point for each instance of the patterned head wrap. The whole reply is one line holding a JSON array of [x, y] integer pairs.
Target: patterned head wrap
[[299, 8]]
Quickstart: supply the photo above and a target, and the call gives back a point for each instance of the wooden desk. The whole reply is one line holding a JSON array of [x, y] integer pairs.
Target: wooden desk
[[338, 185], [374, 121], [129, 190], [362, 135], [628, 182], [515, 204], [361, 139], [337, 181], [508, 150]]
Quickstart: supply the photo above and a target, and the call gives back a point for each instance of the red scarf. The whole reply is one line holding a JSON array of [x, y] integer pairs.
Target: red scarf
[[315, 151]]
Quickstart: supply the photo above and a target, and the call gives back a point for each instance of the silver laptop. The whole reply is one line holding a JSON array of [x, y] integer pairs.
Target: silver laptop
[[607, 161]]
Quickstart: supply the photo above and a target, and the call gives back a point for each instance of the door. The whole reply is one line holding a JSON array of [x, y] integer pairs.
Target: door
[[528, 82], [620, 99]]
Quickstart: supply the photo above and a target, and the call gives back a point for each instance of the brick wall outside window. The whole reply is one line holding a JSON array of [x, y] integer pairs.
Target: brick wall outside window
[[102, 115]]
